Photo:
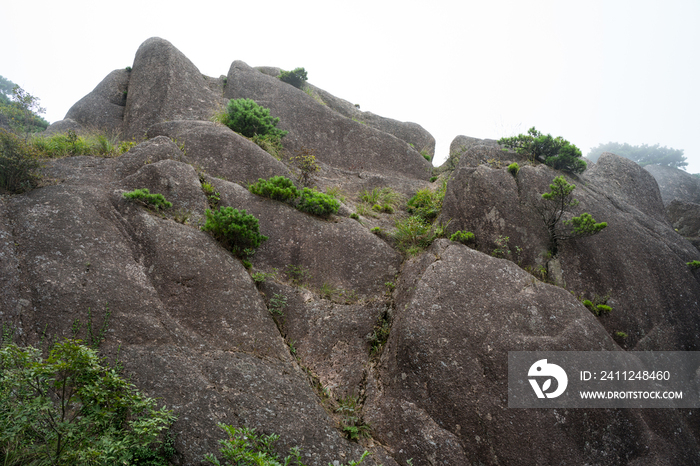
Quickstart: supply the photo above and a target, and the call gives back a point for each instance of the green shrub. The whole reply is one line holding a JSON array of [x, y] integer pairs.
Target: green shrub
[[316, 203], [19, 164], [247, 118], [379, 200], [272, 144], [245, 447], [426, 204], [156, 201], [72, 408], [603, 309], [278, 188], [305, 160], [235, 229], [412, 231], [433, 179], [621, 334], [354, 216], [514, 168], [463, 237], [376, 230], [557, 152], [693, 264], [297, 77]]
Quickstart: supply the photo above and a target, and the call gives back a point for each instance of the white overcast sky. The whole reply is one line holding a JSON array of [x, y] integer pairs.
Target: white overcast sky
[[590, 71]]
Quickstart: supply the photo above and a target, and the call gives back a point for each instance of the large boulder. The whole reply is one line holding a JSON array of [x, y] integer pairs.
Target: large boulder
[[440, 393], [103, 108], [165, 85], [220, 152], [621, 261], [675, 183], [333, 138], [477, 150]]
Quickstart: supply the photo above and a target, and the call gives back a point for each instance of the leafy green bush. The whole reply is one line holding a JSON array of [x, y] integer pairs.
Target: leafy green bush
[[245, 447], [246, 117], [19, 164], [19, 110], [278, 188], [557, 152], [156, 201], [72, 408], [235, 229], [297, 77], [317, 203], [463, 237], [425, 204], [514, 168]]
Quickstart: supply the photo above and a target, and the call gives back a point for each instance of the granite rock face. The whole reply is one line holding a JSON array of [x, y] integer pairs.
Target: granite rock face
[[330, 311], [675, 183]]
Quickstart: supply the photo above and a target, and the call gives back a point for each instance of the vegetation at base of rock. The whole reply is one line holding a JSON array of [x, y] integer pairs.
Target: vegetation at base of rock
[[557, 152], [213, 196], [297, 77], [245, 447], [598, 305], [514, 168], [19, 110], [157, 201], [279, 188], [271, 144], [621, 334], [380, 200], [464, 237], [352, 423], [277, 304], [413, 234], [72, 408], [643, 155], [297, 274], [305, 160], [237, 230], [354, 216], [70, 144], [693, 264], [555, 204], [19, 164], [380, 333], [426, 204], [246, 117], [317, 203]]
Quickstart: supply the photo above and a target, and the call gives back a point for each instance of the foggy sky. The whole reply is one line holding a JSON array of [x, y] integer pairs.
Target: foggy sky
[[592, 72]]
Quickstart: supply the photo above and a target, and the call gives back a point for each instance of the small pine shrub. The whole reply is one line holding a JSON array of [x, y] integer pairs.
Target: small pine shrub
[[514, 168], [157, 201], [19, 164], [316, 203], [463, 237], [694, 264], [247, 118], [278, 188], [603, 309], [297, 77], [235, 229]]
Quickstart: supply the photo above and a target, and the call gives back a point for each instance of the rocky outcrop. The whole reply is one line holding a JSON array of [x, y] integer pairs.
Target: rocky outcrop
[[440, 396], [217, 150], [164, 85], [478, 151], [103, 108], [334, 139], [623, 258], [675, 184], [277, 347], [685, 218]]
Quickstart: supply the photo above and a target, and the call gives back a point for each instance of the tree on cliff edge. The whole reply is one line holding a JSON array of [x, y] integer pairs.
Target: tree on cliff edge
[[643, 155]]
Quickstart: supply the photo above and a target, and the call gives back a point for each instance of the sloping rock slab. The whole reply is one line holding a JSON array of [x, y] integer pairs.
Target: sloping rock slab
[[164, 85], [675, 183], [441, 393], [103, 108], [338, 252], [221, 152], [335, 140], [151, 151], [685, 217], [330, 338]]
